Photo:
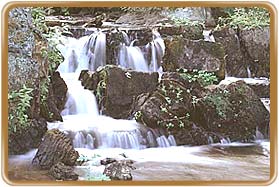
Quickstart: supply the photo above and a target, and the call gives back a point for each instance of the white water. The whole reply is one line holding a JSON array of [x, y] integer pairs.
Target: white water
[[246, 161], [81, 119]]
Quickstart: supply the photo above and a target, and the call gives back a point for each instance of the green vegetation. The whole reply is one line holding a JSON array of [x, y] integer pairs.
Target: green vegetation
[[245, 18], [220, 102], [138, 115], [203, 77], [19, 103]]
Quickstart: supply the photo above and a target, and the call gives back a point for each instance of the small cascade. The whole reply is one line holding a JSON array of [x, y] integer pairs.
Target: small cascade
[[259, 135], [88, 52], [225, 141], [157, 51], [79, 100], [249, 72]]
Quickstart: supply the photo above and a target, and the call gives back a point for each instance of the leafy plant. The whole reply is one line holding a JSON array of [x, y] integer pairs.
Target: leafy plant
[[203, 77], [245, 18], [21, 101], [138, 115]]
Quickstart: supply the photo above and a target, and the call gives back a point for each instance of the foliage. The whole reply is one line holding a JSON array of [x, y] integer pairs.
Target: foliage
[[138, 115], [203, 77], [245, 18], [50, 56], [18, 115], [219, 101]]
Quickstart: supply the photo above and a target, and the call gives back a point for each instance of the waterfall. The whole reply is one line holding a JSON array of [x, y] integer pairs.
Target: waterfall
[[88, 52], [81, 119]]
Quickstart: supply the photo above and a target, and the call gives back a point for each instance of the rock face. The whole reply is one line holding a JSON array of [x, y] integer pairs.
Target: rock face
[[194, 54], [236, 65], [26, 139], [255, 43], [56, 99], [198, 115], [119, 170], [54, 148], [246, 50], [115, 88], [62, 172]]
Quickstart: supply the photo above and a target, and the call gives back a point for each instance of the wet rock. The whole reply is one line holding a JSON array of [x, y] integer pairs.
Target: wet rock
[[247, 51], [236, 65], [56, 99], [194, 54], [169, 103], [255, 43], [107, 161], [233, 111], [115, 88], [55, 147], [25, 139], [198, 115], [62, 172], [119, 170], [261, 86]]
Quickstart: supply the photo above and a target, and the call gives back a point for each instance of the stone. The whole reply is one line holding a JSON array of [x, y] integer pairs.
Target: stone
[[116, 88], [236, 65], [62, 172], [56, 99], [28, 138], [55, 147], [194, 54], [233, 111], [198, 115], [119, 170], [255, 43], [107, 161]]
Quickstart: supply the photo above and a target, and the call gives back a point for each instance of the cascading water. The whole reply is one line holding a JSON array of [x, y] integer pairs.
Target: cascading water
[[81, 119]]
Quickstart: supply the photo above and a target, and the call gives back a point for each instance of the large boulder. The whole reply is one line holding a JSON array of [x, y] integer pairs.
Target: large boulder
[[25, 139], [55, 147], [194, 54], [170, 107], [115, 88], [233, 111], [198, 115]]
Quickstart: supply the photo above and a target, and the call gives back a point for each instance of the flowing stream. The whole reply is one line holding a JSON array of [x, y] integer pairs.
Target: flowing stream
[[156, 156]]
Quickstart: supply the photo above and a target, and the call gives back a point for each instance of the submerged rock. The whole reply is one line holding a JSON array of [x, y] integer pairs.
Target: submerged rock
[[194, 54], [115, 88], [62, 172], [25, 139], [119, 170], [55, 147]]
